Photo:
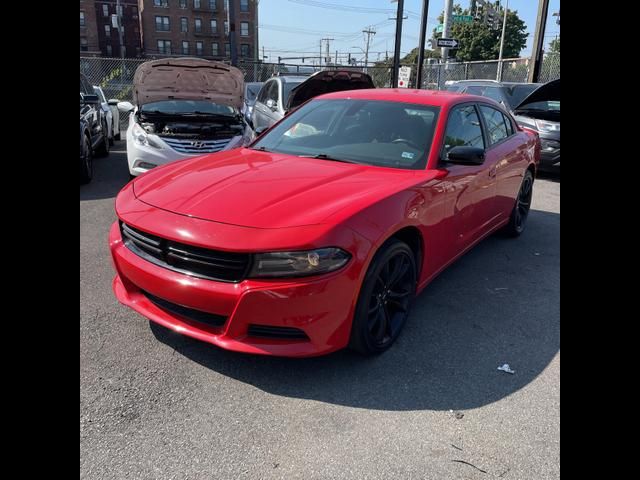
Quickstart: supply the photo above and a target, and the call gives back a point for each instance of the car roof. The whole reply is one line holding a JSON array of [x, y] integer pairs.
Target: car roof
[[437, 98]]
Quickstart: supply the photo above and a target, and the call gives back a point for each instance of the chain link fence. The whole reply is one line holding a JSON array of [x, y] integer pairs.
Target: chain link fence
[[115, 75]]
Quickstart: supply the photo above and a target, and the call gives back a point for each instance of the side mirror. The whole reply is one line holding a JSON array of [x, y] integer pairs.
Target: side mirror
[[113, 101], [466, 155], [125, 107], [89, 98], [272, 104]]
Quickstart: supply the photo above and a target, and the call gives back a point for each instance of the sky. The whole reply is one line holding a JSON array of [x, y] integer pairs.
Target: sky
[[293, 28]]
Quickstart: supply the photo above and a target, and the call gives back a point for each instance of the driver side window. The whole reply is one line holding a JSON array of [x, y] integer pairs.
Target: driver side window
[[463, 129]]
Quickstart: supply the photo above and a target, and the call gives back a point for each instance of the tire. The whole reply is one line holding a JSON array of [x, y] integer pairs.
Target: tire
[[387, 292], [86, 162], [520, 212], [103, 149]]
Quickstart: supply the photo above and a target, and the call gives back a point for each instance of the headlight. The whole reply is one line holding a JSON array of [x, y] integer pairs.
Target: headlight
[[298, 264], [544, 126], [139, 135]]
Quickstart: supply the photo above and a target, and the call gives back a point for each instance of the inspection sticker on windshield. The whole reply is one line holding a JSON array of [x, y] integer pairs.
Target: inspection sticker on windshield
[[408, 155]]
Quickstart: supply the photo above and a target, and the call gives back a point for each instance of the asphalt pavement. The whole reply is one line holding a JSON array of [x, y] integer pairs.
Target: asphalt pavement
[[156, 405]]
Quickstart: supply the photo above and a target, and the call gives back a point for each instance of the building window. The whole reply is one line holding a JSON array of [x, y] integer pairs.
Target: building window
[[198, 25], [244, 5], [244, 50], [119, 10], [226, 27], [227, 49], [109, 51], [162, 24], [199, 49], [214, 49], [214, 26], [164, 47], [160, 3], [185, 47], [82, 24], [105, 10], [84, 45], [213, 5], [184, 24], [244, 29], [134, 12], [197, 4], [183, 3], [226, 5], [123, 51], [107, 30]]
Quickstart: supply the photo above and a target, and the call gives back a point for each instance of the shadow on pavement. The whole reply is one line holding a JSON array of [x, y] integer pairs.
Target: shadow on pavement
[[498, 304], [110, 174]]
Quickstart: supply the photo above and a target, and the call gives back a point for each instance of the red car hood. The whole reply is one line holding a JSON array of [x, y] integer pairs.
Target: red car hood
[[265, 190]]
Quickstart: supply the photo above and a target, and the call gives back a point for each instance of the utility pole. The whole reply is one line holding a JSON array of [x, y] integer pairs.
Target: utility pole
[[538, 41], [504, 27], [328, 56], [448, 11], [423, 33], [256, 48], [231, 19], [369, 31], [396, 56]]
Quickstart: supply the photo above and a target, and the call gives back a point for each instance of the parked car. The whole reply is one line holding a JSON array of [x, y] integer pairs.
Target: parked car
[[183, 107], [281, 94], [93, 130], [533, 105], [110, 107], [305, 243], [251, 90], [106, 111]]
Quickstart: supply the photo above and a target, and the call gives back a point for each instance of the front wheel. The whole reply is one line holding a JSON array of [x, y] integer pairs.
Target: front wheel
[[520, 212], [385, 298]]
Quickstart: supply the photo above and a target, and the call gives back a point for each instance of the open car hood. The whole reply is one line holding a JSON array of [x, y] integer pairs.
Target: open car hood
[[328, 81], [188, 79], [549, 92]]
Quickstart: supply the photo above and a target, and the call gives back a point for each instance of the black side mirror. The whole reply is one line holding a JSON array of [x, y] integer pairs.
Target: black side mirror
[[465, 155], [89, 98]]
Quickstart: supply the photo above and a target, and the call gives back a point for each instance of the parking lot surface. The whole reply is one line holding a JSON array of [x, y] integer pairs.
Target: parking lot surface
[[156, 405]]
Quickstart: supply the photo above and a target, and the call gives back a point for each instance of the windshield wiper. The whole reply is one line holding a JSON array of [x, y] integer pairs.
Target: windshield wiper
[[260, 149], [324, 156]]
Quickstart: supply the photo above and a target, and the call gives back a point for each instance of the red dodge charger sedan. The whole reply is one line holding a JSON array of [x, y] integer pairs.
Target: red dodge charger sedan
[[319, 235]]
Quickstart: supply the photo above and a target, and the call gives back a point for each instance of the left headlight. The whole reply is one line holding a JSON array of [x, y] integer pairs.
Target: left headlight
[[298, 264], [545, 126]]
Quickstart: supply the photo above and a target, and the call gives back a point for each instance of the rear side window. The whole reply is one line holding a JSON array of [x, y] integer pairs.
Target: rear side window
[[463, 128], [498, 125]]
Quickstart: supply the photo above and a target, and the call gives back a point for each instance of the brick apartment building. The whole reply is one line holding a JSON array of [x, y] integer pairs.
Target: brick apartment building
[[99, 37], [156, 28]]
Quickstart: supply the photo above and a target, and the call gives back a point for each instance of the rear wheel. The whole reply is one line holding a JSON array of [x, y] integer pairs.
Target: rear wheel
[[385, 298], [520, 212], [86, 162]]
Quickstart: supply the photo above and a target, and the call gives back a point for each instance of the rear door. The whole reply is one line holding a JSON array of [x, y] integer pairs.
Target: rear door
[[259, 115]]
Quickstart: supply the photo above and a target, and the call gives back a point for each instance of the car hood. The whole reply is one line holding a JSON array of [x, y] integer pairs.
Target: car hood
[[549, 92], [328, 81], [266, 190], [188, 79]]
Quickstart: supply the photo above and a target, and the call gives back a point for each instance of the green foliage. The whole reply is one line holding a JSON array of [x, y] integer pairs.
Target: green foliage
[[555, 45]]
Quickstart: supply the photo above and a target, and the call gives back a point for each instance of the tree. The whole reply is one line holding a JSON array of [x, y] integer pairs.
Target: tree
[[555, 46], [478, 41]]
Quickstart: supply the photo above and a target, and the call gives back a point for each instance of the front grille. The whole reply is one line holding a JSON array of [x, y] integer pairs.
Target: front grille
[[267, 331], [187, 259], [189, 313], [196, 147]]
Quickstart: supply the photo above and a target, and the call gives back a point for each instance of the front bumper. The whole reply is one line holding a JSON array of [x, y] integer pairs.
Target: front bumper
[[322, 307], [549, 153]]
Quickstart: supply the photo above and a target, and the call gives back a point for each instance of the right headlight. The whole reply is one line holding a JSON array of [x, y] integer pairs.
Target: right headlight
[[298, 264], [140, 137]]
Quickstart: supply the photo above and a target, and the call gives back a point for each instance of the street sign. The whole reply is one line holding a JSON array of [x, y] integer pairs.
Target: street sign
[[462, 19], [439, 28], [447, 42], [404, 74]]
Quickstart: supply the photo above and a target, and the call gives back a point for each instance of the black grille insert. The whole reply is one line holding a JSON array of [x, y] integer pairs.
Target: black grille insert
[[268, 331], [187, 259], [190, 313]]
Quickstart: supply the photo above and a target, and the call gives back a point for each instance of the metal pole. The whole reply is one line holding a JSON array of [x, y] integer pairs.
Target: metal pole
[[504, 27], [538, 41], [257, 49], [232, 32], [423, 33], [448, 11], [396, 47], [121, 36], [369, 32]]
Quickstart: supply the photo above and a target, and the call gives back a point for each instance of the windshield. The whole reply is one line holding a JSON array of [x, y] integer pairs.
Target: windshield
[[370, 132], [252, 90], [172, 107], [516, 94]]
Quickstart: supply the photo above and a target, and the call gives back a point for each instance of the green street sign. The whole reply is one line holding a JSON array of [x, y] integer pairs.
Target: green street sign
[[462, 19], [439, 28]]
